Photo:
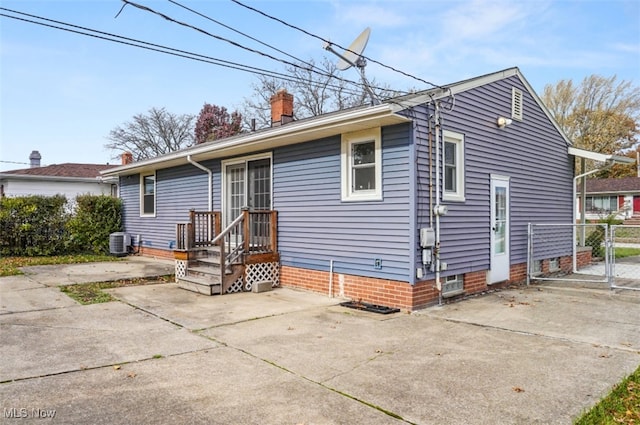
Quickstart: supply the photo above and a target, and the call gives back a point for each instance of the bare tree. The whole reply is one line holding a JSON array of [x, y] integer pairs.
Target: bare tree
[[601, 114], [156, 133], [315, 93]]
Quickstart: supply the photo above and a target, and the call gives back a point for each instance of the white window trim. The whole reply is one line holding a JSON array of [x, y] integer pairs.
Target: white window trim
[[155, 194], [458, 139], [348, 139]]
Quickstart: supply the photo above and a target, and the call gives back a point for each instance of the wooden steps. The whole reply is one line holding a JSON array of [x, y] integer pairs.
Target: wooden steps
[[203, 272]]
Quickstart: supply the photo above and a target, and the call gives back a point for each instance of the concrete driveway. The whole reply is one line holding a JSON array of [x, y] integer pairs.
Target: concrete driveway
[[536, 355]]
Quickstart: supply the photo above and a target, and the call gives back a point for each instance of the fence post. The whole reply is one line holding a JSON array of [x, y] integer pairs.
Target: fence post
[[246, 229], [274, 231], [217, 224]]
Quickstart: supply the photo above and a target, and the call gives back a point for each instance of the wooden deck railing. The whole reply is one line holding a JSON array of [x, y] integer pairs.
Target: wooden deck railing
[[261, 226], [205, 229], [202, 228]]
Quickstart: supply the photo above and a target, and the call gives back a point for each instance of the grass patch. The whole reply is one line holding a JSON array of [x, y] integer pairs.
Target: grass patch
[[9, 266], [626, 252], [620, 406], [92, 293]]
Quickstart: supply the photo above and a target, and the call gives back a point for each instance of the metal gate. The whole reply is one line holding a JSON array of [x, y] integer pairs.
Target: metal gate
[[569, 252], [625, 264], [604, 255]]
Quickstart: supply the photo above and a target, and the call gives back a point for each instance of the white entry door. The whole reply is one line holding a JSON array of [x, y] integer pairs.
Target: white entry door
[[247, 184], [499, 229]]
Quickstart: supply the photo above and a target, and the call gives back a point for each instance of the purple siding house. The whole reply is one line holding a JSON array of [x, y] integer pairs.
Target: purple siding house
[[398, 204]]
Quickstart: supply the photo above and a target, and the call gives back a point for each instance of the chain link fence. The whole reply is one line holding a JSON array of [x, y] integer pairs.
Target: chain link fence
[[595, 253]]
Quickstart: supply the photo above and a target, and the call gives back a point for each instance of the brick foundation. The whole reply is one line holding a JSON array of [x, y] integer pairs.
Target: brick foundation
[[400, 294]]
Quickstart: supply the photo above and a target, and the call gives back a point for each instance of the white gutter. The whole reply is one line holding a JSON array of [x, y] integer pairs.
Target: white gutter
[[297, 131], [208, 171]]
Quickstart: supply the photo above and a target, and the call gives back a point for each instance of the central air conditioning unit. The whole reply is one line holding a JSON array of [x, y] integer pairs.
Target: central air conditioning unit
[[119, 243]]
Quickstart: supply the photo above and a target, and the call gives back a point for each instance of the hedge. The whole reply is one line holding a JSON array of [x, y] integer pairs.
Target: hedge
[[50, 225]]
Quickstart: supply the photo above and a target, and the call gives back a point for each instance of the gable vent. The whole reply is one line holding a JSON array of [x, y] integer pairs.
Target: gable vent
[[516, 104]]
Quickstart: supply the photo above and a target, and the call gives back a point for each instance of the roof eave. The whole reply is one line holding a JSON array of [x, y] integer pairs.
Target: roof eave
[[292, 133], [96, 179]]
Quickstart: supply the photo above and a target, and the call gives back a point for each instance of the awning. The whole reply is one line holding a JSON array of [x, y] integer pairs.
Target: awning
[[601, 157]]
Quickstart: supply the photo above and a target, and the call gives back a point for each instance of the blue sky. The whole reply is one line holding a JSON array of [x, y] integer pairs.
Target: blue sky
[[61, 93]]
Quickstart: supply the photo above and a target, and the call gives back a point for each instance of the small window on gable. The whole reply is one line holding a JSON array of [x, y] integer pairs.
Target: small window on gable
[[453, 178], [516, 104], [148, 195], [361, 160]]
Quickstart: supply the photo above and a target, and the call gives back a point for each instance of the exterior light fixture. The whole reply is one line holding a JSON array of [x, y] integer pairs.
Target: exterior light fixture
[[503, 122]]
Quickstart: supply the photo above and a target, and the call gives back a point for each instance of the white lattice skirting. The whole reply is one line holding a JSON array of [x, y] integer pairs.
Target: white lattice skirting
[[181, 268], [261, 272]]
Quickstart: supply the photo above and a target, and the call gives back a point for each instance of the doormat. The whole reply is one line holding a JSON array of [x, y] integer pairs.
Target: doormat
[[358, 305]]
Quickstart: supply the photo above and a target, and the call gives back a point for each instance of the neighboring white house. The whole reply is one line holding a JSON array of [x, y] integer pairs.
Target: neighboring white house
[[618, 196], [69, 179]]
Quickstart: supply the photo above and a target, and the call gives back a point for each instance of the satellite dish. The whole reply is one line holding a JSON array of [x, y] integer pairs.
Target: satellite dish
[[351, 56]]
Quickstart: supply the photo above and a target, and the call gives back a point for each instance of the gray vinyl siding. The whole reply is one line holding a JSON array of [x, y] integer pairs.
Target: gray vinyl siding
[[178, 190], [531, 152], [315, 226]]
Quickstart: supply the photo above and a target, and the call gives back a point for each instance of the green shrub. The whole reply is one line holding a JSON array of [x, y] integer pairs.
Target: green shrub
[[595, 240], [94, 219], [33, 225], [44, 225]]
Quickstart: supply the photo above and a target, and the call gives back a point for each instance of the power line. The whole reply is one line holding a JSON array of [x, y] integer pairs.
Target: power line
[[235, 44], [217, 37], [241, 33], [145, 45], [335, 44]]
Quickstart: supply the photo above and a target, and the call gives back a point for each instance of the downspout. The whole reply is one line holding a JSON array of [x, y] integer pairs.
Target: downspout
[[210, 190], [582, 210], [430, 175], [436, 249], [208, 171]]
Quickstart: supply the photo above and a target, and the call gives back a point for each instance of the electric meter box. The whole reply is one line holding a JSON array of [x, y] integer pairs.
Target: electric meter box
[[427, 237]]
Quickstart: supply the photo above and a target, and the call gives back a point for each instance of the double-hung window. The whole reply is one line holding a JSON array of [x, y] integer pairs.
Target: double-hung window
[[148, 195], [453, 159], [361, 166], [601, 204]]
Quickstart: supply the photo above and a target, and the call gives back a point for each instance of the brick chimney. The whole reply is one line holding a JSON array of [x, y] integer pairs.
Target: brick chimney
[[281, 108], [127, 158], [34, 159]]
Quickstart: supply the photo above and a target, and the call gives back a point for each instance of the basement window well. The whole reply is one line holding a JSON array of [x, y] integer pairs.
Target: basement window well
[[453, 285]]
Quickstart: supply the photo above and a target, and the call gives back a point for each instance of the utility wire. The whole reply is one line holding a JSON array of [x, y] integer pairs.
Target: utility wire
[[145, 45], [335, 44], [217, 37], [310, 65], [235, 44]]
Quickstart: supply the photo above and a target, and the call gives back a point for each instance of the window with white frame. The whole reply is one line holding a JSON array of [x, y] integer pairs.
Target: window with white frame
[[601, 204], [148, 195], [361, 159], [453, 158]]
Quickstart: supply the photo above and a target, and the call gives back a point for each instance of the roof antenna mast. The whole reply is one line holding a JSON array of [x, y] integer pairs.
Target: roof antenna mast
[[352, 56]]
